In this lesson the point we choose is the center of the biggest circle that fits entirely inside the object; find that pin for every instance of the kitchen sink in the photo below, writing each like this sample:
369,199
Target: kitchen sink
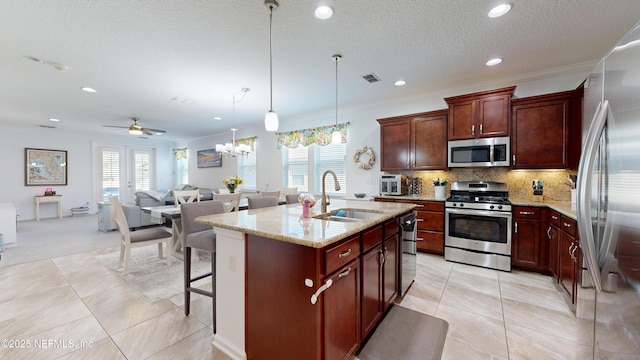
348,215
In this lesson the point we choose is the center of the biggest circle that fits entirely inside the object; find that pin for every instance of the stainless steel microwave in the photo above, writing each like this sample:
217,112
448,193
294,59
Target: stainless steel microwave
479,152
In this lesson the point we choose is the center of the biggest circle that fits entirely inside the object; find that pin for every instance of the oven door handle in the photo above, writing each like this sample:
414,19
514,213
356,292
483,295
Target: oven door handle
500,214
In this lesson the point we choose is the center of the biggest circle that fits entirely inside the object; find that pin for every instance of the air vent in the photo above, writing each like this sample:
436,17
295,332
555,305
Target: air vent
371,78
181,100
47,126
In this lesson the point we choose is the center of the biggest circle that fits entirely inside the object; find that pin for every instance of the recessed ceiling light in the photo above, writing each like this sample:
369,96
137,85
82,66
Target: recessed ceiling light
323,12
217,118
400,83
493,62
88,89
499,10
54,119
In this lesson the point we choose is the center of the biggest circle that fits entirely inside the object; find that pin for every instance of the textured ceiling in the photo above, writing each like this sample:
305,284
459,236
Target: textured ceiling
140,55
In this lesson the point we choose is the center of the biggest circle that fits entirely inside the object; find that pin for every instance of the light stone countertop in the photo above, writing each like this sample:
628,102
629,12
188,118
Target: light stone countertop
409,197
285,222
563,207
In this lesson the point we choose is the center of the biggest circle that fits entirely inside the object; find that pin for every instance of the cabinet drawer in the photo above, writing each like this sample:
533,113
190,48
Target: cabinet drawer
371,238
630,267
390,228
568,225
521,212
554,218
433,221
341,254
430,241
430,205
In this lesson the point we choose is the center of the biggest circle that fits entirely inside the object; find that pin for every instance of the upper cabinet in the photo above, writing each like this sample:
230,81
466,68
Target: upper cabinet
414,142
477,115
546,131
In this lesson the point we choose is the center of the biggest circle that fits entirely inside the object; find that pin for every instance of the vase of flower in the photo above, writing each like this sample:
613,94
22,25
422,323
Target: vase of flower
232,182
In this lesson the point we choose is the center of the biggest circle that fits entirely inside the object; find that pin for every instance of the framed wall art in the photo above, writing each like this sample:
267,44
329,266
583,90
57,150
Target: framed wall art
209,158
45,167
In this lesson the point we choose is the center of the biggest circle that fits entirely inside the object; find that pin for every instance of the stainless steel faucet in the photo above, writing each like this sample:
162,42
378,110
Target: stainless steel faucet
324,194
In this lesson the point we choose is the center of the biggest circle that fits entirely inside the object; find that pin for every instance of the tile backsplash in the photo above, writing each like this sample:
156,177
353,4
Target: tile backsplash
556,182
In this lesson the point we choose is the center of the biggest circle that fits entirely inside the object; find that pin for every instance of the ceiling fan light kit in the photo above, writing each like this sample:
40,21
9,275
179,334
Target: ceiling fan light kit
271,117
137,130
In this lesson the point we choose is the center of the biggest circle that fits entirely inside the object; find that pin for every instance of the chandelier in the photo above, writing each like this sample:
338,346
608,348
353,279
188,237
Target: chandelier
231,149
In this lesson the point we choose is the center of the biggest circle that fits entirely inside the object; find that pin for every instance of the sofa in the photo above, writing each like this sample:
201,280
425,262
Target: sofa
137,218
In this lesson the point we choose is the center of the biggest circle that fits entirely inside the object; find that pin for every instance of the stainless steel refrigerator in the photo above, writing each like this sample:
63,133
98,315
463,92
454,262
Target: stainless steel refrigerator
608,203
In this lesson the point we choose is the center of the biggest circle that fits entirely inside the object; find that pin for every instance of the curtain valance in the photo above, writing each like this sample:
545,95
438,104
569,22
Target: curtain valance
320,136
179,154
251,141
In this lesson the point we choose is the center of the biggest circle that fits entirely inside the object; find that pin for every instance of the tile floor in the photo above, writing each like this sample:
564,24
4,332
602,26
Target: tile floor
66,303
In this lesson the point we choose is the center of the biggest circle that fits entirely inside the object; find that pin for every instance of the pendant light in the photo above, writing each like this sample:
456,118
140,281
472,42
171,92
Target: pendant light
271,118
230,148
336,136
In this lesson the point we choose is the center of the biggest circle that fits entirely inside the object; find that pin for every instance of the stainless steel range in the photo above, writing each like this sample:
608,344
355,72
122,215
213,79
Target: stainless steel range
478,225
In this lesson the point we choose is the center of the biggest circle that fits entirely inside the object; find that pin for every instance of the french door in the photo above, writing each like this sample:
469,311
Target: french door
123,170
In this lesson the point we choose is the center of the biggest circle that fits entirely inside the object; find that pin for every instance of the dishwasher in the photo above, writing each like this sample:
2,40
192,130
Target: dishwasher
408,234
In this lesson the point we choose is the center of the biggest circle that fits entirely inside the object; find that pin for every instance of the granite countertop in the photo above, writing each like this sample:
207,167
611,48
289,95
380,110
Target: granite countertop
409,197
286,223
563,207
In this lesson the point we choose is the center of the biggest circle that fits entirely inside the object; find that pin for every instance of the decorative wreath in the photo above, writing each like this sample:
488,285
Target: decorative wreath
365,165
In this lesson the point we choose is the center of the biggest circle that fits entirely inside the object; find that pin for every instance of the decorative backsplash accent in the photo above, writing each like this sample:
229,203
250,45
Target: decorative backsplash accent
557,186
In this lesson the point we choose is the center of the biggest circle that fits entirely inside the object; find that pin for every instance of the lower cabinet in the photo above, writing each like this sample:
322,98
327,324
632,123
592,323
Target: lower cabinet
342,313
527,250
430,217
293,313
565,255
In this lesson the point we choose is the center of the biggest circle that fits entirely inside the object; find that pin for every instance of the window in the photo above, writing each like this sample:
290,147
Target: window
330,157
110,173
296,168
142,171
247,171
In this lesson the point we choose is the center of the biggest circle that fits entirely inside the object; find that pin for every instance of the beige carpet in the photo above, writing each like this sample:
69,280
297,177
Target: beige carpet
150,276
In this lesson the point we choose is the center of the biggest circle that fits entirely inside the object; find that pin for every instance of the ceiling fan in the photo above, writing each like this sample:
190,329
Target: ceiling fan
136,129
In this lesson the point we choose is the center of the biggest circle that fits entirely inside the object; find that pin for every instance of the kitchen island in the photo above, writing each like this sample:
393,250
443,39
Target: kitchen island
294,287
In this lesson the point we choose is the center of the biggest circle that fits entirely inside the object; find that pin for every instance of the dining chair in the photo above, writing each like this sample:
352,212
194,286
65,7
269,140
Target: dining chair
185,196
290,190
257,202
275,194
142,237
202,237
292,198
182,197
231,201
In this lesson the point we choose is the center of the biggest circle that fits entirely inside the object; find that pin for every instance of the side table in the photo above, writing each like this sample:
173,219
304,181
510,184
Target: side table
41,199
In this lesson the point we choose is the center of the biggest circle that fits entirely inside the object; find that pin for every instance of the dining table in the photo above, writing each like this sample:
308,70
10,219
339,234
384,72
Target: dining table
172,212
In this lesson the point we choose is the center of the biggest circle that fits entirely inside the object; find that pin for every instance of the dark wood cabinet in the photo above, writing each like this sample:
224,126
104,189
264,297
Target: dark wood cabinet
553,237
542,131
528,250
482,114
430,218
342,313
569,259
379,273
414,142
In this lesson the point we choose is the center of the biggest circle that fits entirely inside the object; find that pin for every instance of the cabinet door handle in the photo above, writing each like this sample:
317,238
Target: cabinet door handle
480,129
571,250
325,286
566,224
473,130
526,212
419,239
344,273
513,160
419,220
419,206
549,232
344,254
516,227
554,217
575,258
381,259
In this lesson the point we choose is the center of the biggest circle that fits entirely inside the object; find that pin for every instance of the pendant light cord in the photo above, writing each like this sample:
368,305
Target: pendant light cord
270,60
337,58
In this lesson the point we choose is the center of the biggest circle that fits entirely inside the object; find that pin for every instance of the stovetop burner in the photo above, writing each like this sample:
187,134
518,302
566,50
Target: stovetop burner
479,195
